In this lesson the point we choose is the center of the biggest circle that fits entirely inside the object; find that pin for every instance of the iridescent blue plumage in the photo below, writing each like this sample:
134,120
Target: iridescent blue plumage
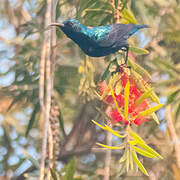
102,40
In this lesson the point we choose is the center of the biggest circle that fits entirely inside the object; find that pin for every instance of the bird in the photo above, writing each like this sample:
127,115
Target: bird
101,40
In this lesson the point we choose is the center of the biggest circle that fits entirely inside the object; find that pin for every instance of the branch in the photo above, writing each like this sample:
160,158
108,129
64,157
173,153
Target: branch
45,108
173,134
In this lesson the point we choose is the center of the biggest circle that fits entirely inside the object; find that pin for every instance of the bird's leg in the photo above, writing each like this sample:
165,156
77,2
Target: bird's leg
126,58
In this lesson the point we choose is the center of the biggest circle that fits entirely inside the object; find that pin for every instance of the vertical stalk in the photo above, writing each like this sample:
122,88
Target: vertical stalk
45,66
173,134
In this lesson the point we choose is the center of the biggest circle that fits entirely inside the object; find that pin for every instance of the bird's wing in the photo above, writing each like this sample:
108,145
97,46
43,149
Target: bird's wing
119,33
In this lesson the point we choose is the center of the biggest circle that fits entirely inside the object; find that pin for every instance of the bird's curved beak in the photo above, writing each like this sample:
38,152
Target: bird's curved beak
57,24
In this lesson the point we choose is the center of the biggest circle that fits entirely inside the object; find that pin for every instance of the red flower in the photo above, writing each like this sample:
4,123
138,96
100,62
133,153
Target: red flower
115,116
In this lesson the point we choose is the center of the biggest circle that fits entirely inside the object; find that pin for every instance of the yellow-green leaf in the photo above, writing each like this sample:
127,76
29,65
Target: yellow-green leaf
139,69
150,110
141,167
123,158
113,132
143,152
111,147
126,100
114,98
128,15
139,50
143,97
150,150
127,159
155,117
131,160
136,137
102,127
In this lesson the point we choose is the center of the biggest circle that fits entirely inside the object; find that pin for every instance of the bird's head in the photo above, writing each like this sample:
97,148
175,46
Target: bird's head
69,25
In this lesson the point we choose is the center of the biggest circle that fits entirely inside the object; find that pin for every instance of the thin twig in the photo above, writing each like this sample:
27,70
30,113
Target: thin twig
173,134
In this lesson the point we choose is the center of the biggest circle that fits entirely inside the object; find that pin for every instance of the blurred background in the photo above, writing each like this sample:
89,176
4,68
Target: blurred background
22,34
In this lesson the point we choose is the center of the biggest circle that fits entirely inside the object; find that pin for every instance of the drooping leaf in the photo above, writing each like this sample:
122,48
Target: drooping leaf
141,167
143,97
111,147
113,132
172,97
32,119
177,111
143,152
61,124
106,72
155,117
102,127
149,149
138,50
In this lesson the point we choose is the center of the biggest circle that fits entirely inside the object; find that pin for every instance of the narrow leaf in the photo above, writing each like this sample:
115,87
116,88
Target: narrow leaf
111,147
114,98
136,137
113,132
127,159
102,127
138,50
155,117
141,167
106,72
32,119
53,174
123,158
143,152
131,160
150,110
143,97
172,97
150,150
126,100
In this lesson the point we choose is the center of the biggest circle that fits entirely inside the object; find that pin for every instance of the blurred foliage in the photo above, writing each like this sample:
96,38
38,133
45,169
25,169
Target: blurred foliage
19,99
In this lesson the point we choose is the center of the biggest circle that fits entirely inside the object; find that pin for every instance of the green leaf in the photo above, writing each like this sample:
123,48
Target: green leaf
141,167
106,72
61,123
114,98
172,97
150,110
143,97
127,159
149,149
102,127
177,111
32,119
123,158
139,69
17,99
70,170
155,117
115,133
138,50
136,137
124,4
111,147
129,16
131,160
53,174
143,152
